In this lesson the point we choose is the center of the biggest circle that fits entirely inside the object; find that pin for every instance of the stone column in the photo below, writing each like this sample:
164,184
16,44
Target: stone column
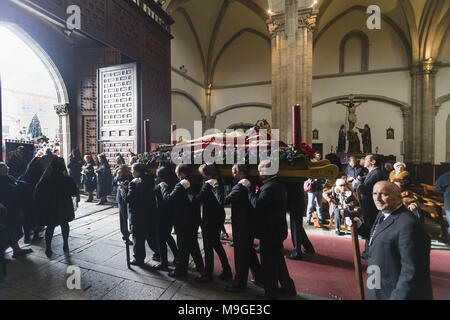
428,112
423,113
291,33
208,120
62,111
407,133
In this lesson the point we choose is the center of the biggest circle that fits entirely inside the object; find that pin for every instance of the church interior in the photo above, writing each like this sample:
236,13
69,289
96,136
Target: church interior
368,77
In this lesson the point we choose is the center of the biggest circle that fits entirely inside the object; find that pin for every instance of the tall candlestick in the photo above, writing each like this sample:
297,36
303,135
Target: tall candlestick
148,135
296,126
173,134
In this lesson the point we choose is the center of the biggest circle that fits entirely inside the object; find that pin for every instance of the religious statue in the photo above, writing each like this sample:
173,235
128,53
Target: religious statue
352,104
354,144
366,139
342,140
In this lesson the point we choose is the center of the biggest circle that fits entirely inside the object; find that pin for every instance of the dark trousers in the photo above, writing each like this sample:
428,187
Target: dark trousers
298,233
139,239
245,257
29,224
123,216
65,229
188,245
2,265
211,243
91,196
165,239
337,218
274,269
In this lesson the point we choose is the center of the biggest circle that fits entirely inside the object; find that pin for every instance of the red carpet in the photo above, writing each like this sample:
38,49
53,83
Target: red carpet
330,272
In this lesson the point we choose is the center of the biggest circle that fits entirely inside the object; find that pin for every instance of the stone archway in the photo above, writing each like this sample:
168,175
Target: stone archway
62,106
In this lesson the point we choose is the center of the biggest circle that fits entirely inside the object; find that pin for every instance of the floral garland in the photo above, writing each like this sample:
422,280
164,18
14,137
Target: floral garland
287,155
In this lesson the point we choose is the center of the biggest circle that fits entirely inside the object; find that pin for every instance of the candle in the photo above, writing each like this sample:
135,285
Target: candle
148,135
173,134
296,126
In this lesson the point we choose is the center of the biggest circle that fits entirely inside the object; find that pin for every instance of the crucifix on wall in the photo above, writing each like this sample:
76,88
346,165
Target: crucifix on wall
351,103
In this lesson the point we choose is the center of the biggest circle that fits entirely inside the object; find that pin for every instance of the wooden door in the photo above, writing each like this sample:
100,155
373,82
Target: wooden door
119,118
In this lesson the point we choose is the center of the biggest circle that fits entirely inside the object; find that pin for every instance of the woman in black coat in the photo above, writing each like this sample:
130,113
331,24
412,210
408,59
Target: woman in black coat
75,165
164,218
54,192
212,197
28,183
10,197
104,179
89,178
121,180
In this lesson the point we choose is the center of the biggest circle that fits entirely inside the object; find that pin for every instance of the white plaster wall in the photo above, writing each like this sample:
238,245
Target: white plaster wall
385,47
395,85
226,97
245,115
184,113
184,49
181,83
328,119
441,132
247,60
443,82
444,54
352,57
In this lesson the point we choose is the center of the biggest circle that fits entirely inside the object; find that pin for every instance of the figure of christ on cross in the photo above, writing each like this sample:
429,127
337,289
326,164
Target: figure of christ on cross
352,104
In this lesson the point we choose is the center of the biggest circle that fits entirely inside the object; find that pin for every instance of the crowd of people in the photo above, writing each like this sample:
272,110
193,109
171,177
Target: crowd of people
152,205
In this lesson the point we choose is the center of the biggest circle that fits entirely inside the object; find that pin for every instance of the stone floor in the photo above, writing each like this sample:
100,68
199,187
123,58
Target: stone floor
97,249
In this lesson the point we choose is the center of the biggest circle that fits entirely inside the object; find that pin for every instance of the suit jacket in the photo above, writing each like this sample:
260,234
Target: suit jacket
241,211
365,190
401,249
141,204
213,203
186,213
270,212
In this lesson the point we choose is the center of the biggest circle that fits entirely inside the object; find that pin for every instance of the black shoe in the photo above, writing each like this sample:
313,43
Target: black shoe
226,275
256,282
90,200
36,238
134,262
235,289
48,253
204,279
27,240
288,292
339,233
161,267
156,258
296,257
101,203
309,251
176,274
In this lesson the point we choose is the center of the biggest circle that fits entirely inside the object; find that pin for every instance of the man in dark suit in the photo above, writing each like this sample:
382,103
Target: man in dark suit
398,249
241,213
354,172
186,221
372,162
296,209
271,229
142,209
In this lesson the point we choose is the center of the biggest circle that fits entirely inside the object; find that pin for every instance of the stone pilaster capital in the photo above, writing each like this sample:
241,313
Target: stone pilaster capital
276,24
62,109
406,111
307,18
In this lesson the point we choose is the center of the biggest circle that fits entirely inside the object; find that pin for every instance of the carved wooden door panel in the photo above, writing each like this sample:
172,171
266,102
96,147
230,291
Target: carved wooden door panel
89,61
119,110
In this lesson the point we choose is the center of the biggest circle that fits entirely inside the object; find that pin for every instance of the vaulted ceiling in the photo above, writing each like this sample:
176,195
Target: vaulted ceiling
420,24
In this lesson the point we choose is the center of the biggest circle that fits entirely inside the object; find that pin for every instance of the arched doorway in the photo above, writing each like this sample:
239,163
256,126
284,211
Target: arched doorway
34,96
